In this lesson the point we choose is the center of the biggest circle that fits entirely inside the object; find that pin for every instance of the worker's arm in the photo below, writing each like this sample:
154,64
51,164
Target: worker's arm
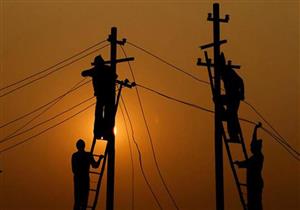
96,164
88,73
73,164
241,164
242,89
254,135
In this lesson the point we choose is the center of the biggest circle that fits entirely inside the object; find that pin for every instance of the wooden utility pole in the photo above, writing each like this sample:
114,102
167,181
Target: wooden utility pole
111,141
218,111
216,89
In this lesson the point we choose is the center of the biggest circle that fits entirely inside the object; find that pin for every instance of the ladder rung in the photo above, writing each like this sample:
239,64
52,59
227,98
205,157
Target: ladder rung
93,172
96,155
233,142
94,190
243,184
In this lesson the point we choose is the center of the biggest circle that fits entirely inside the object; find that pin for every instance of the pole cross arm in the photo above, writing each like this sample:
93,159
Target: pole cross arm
120,42
211,18
121,60
229,64
126,83
213,44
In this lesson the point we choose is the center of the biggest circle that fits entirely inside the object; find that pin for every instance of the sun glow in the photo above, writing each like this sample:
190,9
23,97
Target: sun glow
115,130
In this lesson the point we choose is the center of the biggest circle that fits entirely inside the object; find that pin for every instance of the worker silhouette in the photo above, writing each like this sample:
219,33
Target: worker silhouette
81,161
254,167
103,83
234,93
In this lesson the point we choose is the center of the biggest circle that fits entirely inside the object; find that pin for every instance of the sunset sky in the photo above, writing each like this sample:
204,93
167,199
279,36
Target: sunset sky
263,37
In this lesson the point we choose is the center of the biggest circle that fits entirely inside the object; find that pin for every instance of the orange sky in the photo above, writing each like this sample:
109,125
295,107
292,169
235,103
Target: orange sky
262,37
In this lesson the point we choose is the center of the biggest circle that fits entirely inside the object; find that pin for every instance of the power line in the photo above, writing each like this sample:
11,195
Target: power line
53,66
282,139
276,138
269,124
51,72
44,111
131,158
296,156
150,138
45,130
140,156
39,108
175,99
279,137
45,121
168,63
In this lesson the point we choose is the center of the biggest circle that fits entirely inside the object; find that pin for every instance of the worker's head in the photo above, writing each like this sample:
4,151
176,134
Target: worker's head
256,146
80,145
98,60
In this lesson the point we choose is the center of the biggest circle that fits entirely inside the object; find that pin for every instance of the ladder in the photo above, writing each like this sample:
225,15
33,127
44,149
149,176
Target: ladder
228,143
95,190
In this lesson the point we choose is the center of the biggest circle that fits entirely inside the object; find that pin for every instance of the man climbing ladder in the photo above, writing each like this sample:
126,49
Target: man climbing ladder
81,161
254,167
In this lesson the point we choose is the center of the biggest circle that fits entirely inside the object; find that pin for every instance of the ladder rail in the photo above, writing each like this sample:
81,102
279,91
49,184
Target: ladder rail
100,180
234,172
233,169
101,173
243,144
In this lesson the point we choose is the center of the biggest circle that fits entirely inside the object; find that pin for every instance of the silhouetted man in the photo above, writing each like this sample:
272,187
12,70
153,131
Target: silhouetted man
103,83
254,167
234,89
81,161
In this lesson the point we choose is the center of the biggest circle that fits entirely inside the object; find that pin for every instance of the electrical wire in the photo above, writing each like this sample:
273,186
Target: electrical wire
45,105
269,124
150,138
167,63
45,130
44,111
276,138
131,158
140,156
45,121
282,139
51,72
51,67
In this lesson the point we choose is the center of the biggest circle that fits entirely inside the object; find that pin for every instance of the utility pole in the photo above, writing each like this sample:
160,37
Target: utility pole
111,141
218,111
216,89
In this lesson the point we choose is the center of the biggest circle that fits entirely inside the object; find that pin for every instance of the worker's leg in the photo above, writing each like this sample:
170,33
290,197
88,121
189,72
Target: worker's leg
109,115
251,200
99,119
85,196
231,122
76,195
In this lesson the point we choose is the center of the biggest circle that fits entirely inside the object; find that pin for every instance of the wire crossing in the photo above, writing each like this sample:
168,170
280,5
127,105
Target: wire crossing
150,138
140,156
45,121
45,130
51,67
131,158
51,72
45,105
44,111
282,139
